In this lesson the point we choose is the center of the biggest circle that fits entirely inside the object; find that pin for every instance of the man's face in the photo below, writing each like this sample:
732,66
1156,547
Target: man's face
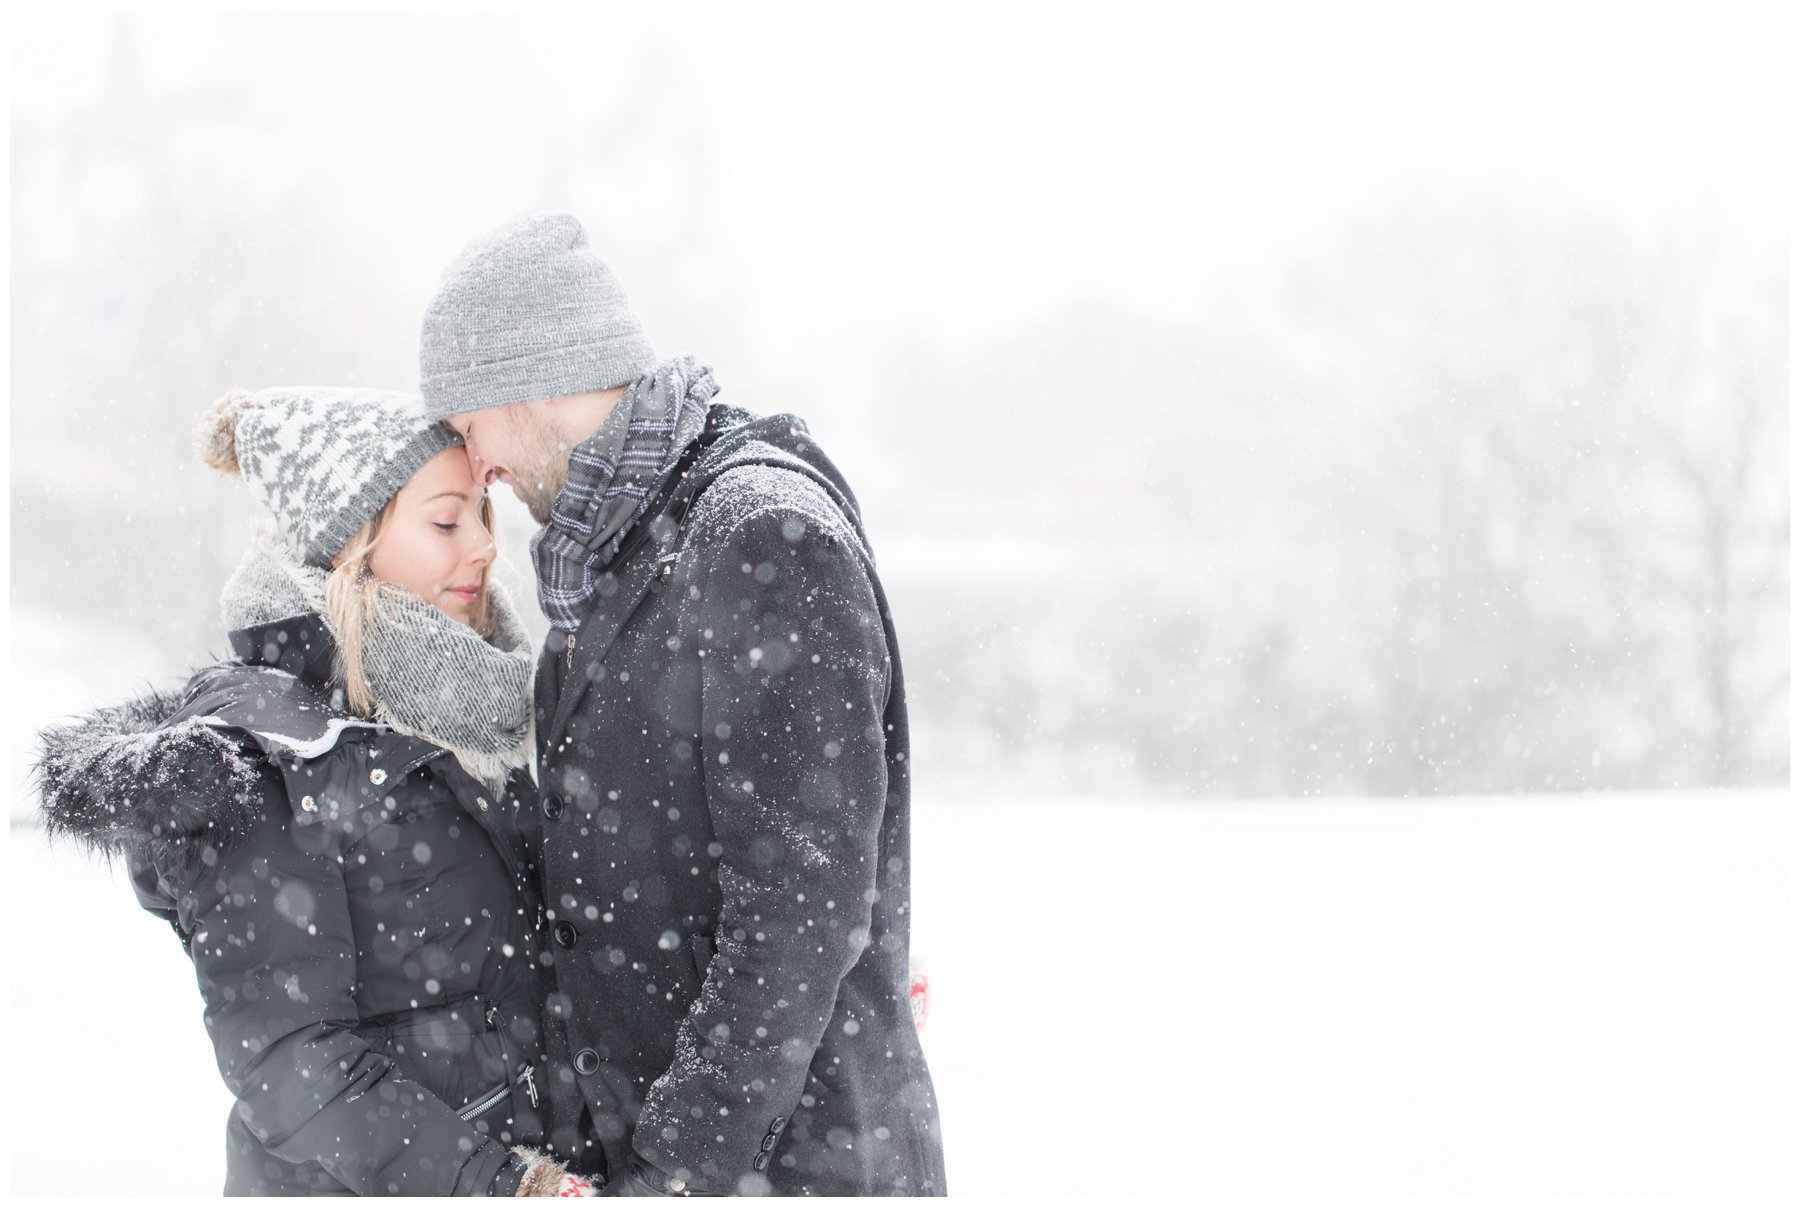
518,445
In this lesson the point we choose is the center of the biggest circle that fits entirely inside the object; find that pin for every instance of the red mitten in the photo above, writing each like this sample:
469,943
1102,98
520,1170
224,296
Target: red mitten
920,994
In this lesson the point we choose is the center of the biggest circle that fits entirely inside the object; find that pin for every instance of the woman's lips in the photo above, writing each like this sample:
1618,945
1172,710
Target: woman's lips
466,594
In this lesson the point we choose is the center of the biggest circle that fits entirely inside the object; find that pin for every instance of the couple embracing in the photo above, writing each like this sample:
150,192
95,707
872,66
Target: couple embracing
675,960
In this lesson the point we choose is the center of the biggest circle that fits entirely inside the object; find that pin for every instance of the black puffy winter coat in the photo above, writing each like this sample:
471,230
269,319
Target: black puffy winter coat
361,915
726,844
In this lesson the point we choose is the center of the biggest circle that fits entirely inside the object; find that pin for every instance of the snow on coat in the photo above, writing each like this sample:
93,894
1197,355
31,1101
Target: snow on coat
726,846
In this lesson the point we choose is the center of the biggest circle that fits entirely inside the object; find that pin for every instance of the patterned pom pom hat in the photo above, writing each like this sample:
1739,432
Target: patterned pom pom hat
323,459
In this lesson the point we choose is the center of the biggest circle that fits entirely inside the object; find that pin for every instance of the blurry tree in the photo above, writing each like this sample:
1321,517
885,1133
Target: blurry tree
1497,504
1570,515
1711,452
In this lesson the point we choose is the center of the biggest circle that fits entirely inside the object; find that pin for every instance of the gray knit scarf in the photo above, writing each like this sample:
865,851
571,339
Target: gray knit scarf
605,496
431,676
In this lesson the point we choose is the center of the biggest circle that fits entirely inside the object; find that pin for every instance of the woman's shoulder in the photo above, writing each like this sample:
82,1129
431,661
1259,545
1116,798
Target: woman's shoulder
196,760
287,715
150,767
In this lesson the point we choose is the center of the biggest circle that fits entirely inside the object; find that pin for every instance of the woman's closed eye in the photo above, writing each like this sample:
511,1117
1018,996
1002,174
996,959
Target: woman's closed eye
442,526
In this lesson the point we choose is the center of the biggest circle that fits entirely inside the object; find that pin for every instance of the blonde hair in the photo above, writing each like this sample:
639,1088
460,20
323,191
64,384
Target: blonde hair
353,594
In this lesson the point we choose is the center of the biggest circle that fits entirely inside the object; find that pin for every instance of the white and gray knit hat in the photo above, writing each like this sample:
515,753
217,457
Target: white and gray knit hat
324,460
527,311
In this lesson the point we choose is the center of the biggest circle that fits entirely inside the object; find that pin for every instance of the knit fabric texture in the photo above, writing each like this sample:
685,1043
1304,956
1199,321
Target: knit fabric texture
605,495
325,460
527,311
432,677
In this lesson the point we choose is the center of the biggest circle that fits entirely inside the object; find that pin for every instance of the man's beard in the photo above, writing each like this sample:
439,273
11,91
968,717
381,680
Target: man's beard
543,470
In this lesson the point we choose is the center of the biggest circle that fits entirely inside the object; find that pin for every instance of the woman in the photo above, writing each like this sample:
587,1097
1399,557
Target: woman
334,821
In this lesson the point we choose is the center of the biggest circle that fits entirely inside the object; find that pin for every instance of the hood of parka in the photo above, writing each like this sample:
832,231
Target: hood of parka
172,765
141,770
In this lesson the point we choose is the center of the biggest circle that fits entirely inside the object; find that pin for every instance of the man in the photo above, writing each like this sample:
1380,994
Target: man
722,749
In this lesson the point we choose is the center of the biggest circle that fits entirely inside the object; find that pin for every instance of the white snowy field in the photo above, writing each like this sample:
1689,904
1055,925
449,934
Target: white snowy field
1543,995
1560,995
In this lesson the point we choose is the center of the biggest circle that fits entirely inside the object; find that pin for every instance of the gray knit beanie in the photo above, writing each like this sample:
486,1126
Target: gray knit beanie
323,460
527,311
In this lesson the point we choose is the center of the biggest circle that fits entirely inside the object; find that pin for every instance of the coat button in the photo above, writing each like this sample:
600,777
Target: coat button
779,1122
552,806
565,934
768,1142
587,1062
378,777
481,802
309,804
761,1163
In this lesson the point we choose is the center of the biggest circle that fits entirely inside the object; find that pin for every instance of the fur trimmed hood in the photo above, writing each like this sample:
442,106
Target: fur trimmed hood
138,771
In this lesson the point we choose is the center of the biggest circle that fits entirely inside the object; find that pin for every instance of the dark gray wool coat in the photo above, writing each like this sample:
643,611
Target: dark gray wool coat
725,851
359,912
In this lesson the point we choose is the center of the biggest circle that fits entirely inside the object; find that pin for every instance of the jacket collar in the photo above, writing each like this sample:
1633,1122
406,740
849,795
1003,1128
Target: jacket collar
300,645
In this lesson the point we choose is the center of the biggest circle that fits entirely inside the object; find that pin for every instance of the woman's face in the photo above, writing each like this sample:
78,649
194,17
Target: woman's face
433,542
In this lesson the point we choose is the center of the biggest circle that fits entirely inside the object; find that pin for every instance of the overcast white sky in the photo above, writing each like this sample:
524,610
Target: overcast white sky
959,171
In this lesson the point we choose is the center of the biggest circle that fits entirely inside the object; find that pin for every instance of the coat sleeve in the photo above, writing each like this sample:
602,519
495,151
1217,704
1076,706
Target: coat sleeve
275,956
794,683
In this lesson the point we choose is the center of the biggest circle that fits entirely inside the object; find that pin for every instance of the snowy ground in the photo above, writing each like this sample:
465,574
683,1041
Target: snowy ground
1580,995
1519,997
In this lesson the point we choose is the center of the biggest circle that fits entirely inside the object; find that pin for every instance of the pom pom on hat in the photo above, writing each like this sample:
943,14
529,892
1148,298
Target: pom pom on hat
215,436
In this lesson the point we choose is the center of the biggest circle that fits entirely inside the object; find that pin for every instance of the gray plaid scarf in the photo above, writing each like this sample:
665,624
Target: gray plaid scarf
605,495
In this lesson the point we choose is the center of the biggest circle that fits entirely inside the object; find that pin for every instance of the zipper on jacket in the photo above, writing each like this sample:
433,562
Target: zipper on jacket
526,1075
484,1102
